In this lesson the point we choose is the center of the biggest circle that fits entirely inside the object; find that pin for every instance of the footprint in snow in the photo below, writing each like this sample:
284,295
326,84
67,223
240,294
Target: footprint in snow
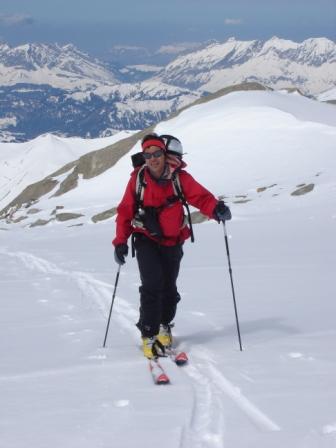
66,317
298,355
121,403
197,313
99,357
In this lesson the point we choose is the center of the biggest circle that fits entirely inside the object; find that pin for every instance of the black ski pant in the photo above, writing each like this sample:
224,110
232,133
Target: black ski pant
159,268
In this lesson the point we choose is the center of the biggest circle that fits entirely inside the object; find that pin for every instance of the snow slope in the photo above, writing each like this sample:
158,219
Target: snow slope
329,95
247,140
22,164
62,389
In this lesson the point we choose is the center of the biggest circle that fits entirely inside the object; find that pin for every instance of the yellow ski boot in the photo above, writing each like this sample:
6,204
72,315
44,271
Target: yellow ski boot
152,347
148,347
165,335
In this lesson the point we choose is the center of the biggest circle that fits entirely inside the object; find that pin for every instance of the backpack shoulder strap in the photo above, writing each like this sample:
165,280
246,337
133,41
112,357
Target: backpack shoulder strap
139,195
177,187
178,190
140,185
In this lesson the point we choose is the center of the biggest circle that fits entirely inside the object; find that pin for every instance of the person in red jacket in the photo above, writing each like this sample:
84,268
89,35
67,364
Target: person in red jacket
158,228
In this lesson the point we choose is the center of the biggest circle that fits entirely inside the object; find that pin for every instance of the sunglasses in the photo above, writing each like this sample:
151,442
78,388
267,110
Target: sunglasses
149,155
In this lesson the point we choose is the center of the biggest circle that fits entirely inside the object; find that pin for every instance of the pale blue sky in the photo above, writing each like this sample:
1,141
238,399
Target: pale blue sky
97,25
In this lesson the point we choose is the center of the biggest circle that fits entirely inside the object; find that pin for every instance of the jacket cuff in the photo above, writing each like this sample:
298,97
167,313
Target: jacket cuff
118,241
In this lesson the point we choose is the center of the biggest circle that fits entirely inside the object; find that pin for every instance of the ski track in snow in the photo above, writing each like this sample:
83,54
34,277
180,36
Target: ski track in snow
89,286
206,426
258,418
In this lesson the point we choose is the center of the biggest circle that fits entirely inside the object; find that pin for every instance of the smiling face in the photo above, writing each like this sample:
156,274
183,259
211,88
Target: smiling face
156,162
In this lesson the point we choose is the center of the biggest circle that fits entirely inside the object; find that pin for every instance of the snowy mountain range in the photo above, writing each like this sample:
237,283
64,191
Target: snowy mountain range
62,67
272,155
277,63
32,109
59,89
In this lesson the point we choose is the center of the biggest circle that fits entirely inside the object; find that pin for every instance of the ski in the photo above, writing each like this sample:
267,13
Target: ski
179,358
158,373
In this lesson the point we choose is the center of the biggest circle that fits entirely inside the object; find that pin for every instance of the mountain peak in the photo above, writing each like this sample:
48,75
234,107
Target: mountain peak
70,47
321,44
59,66
277,62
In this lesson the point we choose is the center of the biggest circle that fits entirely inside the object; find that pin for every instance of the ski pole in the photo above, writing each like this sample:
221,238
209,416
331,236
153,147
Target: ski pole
233,292
113,297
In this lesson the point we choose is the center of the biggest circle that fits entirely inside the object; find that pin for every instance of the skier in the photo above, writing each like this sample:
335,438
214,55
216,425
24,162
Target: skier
151,210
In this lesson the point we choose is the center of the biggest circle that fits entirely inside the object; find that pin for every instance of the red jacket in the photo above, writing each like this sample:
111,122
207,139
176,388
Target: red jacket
170,217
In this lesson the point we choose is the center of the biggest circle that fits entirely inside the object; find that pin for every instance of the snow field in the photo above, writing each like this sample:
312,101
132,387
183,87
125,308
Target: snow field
278,390
62,389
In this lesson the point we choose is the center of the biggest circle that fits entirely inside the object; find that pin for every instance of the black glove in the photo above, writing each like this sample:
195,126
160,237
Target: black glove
222,212
120,252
